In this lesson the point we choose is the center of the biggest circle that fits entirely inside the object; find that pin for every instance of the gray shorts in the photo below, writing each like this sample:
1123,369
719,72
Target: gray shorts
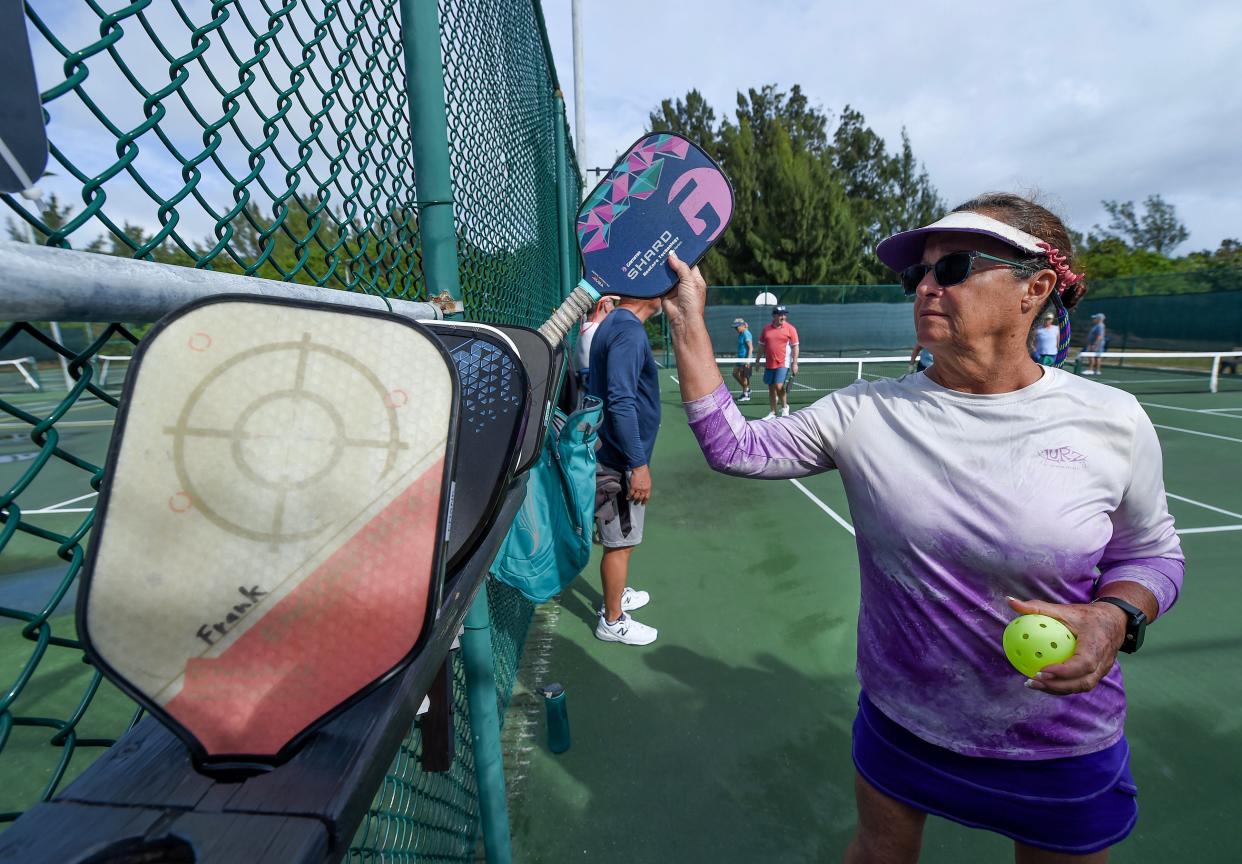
618,520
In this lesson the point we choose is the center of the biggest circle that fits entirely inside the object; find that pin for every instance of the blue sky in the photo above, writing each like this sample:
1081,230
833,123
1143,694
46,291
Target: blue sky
1077,102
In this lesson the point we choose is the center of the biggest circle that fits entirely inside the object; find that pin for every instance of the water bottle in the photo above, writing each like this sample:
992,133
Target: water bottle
558,718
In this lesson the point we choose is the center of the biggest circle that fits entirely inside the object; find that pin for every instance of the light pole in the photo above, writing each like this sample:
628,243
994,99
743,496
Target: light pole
579,93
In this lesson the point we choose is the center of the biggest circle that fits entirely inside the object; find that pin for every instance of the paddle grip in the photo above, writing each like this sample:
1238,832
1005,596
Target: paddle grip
577,304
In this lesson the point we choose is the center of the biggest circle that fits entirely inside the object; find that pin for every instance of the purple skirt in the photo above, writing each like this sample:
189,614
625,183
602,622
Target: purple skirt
1077,805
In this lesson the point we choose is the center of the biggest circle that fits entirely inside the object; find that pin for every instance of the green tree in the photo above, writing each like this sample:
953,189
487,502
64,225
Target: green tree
302,242
1158,229
691,118
886,193
1109,257
791,221
812,199
54,216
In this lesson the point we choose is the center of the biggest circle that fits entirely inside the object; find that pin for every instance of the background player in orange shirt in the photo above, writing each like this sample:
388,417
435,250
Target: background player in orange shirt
779,343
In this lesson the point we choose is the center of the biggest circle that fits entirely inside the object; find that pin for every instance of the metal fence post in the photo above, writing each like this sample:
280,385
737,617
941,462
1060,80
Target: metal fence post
420,36
476,654
424,87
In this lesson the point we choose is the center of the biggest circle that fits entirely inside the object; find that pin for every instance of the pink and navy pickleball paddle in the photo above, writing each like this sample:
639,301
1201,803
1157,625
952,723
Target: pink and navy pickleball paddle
663,195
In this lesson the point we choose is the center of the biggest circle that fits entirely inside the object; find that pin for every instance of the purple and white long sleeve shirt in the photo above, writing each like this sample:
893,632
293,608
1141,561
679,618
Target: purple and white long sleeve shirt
958,500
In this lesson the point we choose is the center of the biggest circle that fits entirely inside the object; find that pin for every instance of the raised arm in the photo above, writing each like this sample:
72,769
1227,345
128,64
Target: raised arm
782,447
697,371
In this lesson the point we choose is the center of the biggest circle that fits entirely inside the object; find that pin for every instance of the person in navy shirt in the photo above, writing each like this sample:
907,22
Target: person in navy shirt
624,376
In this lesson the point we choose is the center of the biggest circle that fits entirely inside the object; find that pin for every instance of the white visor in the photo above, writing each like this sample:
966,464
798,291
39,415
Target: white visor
905,248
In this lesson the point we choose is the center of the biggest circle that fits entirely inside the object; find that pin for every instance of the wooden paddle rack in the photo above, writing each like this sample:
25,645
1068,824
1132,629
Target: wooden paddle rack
143,800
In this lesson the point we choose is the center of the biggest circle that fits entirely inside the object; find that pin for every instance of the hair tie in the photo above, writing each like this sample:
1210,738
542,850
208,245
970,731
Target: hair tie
1065,276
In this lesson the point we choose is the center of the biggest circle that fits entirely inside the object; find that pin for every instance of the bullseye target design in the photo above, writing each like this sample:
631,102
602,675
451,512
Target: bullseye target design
257,440
269,537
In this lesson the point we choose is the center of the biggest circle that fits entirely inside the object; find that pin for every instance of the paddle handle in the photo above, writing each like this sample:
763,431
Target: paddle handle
579,302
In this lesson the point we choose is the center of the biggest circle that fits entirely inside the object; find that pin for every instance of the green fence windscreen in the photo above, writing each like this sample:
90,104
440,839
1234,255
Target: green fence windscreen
1195,311
267,140
1200,310
827,330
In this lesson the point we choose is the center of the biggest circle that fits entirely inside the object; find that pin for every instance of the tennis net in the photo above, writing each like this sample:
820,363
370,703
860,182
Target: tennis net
1144,372
818,376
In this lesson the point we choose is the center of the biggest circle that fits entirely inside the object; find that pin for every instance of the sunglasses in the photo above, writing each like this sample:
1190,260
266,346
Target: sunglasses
952,269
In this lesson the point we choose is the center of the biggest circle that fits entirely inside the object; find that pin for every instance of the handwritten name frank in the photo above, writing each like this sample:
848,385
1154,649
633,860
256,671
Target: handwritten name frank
210,632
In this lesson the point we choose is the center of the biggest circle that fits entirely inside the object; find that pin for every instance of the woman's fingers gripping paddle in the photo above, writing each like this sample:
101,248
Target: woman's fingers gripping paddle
689,295
697,372
1099,630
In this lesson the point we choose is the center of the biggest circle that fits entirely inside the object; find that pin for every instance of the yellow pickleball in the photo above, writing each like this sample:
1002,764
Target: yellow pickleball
1035,641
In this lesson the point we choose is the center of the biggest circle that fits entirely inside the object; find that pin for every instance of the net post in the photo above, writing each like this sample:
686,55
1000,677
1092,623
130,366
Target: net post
429,135
1214,382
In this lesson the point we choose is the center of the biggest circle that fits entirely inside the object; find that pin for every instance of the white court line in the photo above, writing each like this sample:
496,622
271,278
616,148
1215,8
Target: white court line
56,508
72,501
61,424
675,381
1204,506
1193,432
822,506
50,512
43,407
1213,411
1122,383
1214,530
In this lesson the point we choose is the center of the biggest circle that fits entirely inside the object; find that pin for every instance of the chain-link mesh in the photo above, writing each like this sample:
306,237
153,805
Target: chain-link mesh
418,815
270,140
503,151
246,137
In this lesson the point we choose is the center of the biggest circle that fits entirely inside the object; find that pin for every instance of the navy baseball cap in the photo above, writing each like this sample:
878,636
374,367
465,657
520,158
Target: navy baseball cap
780,310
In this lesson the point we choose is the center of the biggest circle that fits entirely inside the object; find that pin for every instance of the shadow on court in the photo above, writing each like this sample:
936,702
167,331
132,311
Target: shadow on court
682,757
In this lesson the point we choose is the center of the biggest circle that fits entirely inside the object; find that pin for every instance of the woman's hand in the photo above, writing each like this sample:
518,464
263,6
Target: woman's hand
687,299
1100,629
697,372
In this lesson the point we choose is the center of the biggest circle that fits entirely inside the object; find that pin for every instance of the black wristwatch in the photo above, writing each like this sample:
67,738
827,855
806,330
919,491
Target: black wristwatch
1136,623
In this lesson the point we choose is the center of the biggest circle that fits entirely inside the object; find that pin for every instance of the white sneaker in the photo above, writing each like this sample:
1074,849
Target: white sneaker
785,411
625,630
745,397
771,415
631,600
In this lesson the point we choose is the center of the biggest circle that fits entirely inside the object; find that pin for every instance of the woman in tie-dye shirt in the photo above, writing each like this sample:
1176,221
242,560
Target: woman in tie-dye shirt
1033,484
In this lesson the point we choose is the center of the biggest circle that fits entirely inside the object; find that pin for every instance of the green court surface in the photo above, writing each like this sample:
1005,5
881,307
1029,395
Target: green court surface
58,500
728,739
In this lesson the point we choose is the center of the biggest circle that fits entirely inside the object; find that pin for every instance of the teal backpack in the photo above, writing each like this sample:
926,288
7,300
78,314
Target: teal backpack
550,540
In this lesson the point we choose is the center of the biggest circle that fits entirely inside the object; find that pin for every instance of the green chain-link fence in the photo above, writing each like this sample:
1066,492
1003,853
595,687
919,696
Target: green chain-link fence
262,139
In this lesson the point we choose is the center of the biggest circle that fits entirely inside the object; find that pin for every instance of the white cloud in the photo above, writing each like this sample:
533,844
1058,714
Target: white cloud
1082,102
